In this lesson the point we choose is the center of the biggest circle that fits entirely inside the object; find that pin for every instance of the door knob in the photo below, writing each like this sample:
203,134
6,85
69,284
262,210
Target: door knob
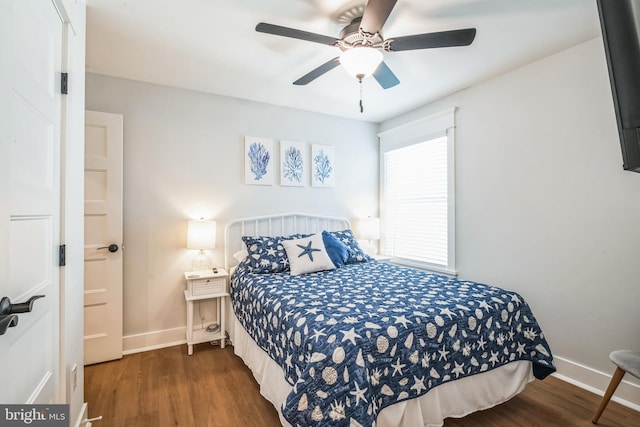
112,248
6,308
7,322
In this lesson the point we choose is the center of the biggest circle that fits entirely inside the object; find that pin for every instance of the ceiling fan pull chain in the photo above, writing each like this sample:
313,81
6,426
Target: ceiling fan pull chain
361,106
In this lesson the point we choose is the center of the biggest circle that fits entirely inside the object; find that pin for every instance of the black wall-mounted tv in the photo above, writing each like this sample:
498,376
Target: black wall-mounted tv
620,23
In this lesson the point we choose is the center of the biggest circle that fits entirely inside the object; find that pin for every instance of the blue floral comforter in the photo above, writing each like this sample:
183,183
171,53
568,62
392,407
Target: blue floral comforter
362,337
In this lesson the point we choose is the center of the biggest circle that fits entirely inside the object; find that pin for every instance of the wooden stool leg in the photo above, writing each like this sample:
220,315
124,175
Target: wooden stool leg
615,381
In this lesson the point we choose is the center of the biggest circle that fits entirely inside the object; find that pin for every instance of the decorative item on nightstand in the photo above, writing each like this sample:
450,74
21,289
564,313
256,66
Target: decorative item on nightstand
369,230
201,235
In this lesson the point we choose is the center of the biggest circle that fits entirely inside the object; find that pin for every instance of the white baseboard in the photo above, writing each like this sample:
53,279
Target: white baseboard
627,393
153,340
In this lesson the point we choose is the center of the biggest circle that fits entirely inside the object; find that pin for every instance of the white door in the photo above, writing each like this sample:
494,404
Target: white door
102,237
31,52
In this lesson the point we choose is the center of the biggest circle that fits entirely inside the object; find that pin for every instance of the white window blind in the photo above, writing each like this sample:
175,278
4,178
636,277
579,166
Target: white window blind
416,202
417,182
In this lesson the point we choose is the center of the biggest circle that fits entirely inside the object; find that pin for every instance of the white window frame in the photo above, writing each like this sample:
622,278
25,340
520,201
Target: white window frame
417,131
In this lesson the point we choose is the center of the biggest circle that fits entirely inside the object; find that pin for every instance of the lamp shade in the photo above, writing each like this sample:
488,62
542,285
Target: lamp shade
361,61
201,235
369,228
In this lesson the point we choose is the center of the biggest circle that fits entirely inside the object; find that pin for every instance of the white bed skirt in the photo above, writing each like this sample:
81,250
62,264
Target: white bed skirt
453,399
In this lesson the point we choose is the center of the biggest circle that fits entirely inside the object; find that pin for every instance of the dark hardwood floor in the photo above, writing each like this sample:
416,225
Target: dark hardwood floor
213,387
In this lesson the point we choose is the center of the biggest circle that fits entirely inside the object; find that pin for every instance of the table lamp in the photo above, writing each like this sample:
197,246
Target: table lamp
201,235
368,231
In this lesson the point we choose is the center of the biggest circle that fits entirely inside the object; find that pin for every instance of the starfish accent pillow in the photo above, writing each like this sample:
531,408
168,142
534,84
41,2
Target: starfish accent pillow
307,255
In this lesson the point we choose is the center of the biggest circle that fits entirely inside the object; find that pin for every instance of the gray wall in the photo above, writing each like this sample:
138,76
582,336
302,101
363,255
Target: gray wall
183,158
543,204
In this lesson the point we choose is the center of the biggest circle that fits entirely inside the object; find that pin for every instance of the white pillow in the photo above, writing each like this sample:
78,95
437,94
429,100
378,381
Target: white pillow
241,255
307,255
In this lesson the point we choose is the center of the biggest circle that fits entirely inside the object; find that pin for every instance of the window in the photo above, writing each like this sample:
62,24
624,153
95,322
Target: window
417,194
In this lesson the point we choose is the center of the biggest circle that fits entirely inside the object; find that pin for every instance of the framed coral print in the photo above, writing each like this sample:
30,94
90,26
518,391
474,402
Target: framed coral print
323,169
258,161
293,163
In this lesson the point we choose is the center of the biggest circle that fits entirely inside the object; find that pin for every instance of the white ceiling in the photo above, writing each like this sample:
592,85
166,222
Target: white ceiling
212,46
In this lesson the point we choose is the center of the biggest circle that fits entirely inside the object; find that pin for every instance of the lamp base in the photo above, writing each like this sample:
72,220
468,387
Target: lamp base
201,262
369,247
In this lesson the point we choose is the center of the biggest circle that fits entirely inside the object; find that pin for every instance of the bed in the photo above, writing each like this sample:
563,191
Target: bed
369,343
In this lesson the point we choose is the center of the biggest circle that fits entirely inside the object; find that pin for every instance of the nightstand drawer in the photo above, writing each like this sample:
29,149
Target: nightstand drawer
207,286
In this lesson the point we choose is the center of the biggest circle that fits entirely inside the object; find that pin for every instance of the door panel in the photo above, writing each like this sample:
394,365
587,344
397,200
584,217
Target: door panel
102,227
30,255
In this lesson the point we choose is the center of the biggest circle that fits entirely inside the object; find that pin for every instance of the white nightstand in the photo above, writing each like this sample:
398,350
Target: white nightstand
202,286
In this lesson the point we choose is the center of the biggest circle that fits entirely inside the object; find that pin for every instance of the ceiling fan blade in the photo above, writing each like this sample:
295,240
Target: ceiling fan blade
432,40
314,74
295,34
385,76
375,15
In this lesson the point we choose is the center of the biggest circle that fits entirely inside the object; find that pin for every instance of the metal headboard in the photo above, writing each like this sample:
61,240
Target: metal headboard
275,225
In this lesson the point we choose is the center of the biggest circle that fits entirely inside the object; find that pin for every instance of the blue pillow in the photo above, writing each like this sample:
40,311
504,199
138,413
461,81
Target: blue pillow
266,253
356,254
338,251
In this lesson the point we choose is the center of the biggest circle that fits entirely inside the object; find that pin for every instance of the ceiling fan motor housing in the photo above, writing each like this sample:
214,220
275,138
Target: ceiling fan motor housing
351,36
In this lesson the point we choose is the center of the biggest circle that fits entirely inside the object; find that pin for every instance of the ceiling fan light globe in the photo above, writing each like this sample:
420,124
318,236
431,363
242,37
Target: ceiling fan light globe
361,61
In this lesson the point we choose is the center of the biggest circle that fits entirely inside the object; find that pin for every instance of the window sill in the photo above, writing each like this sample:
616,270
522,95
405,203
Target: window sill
424,266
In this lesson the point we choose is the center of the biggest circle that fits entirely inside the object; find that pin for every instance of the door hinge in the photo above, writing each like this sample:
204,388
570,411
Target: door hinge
62,255
64,83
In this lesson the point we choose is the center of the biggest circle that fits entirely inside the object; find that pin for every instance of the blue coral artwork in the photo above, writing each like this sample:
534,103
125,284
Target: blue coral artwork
293,163
258,161
323,167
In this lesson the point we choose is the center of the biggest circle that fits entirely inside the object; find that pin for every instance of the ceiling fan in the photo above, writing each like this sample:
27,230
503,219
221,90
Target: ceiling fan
362,44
